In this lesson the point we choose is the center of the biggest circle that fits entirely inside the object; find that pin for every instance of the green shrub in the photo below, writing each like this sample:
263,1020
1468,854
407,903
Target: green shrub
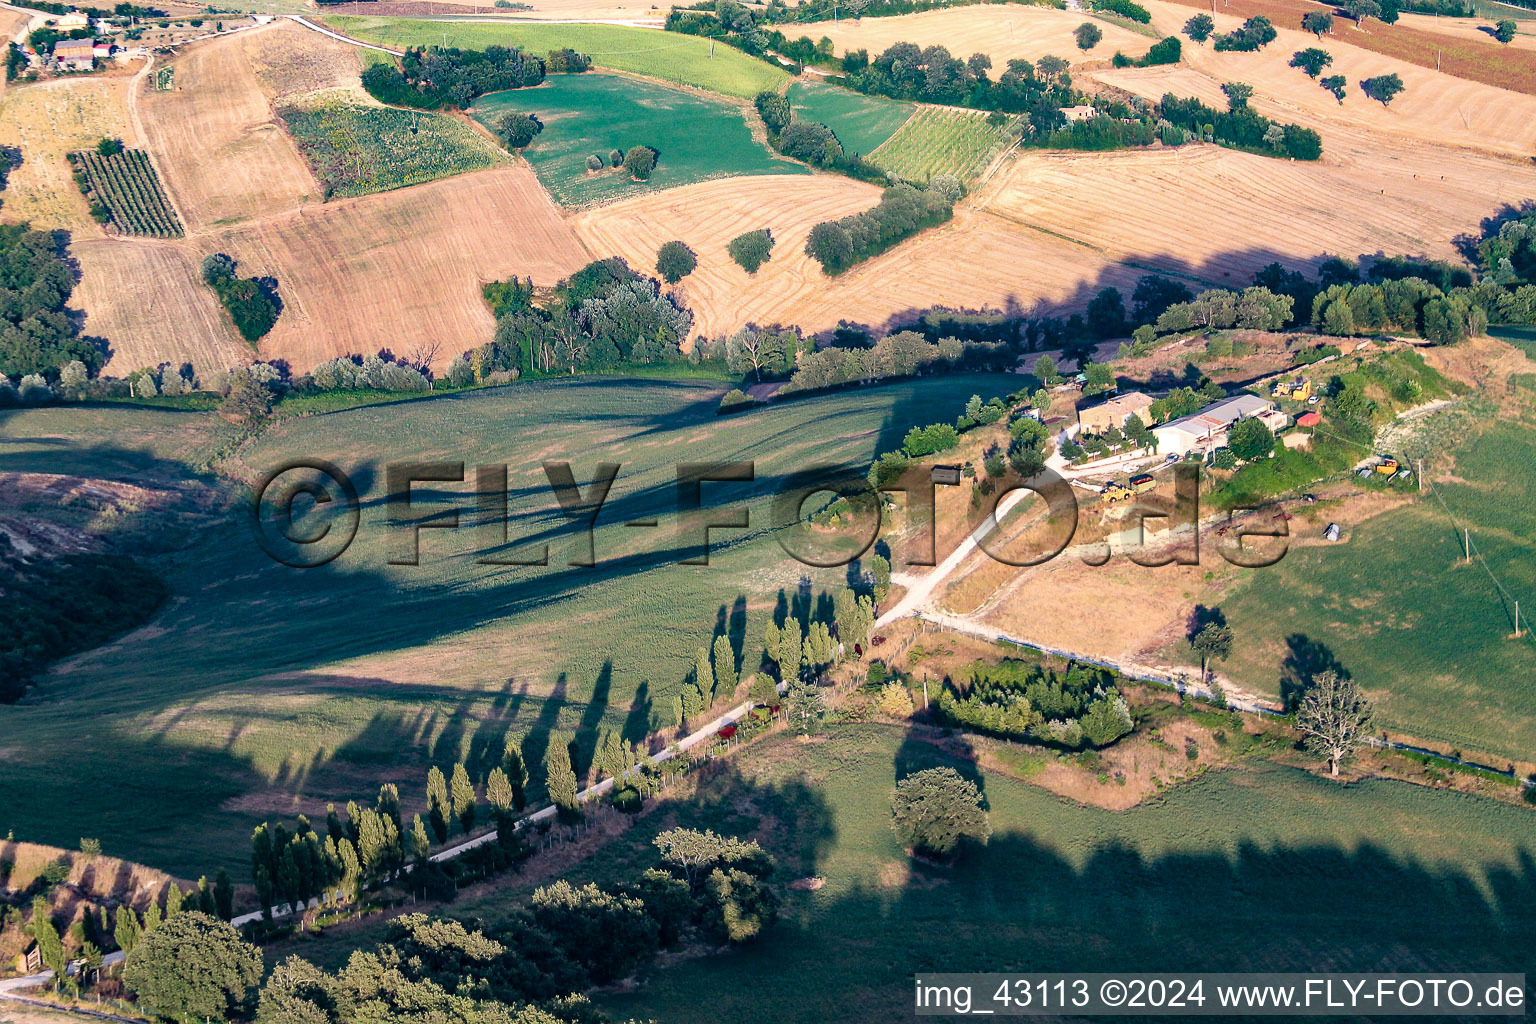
751,249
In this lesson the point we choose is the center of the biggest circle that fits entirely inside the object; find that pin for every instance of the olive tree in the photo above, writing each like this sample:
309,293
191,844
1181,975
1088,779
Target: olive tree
675,261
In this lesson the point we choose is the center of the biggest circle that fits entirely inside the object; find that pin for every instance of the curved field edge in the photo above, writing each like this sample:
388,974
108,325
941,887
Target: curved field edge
671,57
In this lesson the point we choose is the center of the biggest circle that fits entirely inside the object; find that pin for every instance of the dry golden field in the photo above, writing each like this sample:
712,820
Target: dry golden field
146,298
1471,30
45,122
1433,107
978,259
1003,32
402,269
224,156
289,60
1220,214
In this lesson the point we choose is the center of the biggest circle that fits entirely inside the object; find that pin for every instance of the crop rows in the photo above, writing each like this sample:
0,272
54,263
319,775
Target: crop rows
126,184
356,150
940,141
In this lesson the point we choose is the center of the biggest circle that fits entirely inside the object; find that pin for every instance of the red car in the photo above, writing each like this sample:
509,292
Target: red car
727,732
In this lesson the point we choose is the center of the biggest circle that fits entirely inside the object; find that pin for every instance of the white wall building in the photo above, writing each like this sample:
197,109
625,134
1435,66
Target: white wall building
1208,428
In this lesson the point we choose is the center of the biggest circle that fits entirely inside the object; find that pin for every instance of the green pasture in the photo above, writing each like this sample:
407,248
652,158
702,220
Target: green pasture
1424,631
862,123
937,140
672,57
1253,869
698,137
265,690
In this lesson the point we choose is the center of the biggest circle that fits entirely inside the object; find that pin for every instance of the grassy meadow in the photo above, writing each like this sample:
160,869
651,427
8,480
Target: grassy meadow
264,690
698,137
1255,868
862,123
671,57
938,140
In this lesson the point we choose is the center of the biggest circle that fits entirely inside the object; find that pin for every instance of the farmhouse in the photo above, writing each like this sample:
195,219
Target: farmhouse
71,21
1208,428
1113,413
1082,112
75,54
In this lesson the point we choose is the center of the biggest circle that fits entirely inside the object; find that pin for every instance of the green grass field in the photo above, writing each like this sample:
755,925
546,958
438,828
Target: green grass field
356,150
668,56
1257,868
941,141
263,690
1424,631
862,123
699,137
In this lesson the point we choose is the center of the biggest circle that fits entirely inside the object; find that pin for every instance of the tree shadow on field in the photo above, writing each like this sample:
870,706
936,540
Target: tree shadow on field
1304,659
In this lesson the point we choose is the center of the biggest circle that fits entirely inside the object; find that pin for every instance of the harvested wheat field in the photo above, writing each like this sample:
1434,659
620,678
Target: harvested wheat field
721,294
1475,30
146,298
289,60
1506,68
1003,32
976,260
223,155
402,270
45,122
1433,107
1219,214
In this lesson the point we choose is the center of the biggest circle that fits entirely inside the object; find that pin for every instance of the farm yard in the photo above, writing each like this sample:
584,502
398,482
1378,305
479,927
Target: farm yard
274,712
356,150
1281,854
938,140
1004,32
862,123
698,137
47,122
683,60
126,184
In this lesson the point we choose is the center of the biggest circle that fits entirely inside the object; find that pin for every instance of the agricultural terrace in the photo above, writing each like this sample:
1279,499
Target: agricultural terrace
1002,31
47,122
684,60
939,140
125,183
698,137
356,150
1277,853
387,666
862,123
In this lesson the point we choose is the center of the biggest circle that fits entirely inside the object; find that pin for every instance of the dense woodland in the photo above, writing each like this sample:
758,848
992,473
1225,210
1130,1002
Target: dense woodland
431,78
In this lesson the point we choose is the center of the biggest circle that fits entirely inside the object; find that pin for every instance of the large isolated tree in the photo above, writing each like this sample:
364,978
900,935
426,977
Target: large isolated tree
934,809
1238,94
1334,716
1383,87
1212,640
194,968
1088,35
1319,23
675,261
1200,27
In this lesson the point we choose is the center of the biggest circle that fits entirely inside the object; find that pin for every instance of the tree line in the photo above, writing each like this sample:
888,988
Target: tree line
431,78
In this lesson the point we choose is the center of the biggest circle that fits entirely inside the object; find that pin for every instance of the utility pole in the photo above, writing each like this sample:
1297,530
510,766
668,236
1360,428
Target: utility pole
1421,476
1518,633
1467,543
925,677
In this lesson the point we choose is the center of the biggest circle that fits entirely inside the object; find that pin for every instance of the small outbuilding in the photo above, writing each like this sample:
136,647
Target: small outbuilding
1332,533
1309,419
949,475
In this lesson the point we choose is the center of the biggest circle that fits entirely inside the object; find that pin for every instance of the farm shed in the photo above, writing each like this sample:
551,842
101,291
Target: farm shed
75,54
1115,413
1309,419
946,475
1332,533
1208,428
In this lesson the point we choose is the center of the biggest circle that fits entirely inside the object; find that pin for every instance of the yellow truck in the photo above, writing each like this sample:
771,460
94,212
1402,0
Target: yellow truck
1387,466
1114,492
